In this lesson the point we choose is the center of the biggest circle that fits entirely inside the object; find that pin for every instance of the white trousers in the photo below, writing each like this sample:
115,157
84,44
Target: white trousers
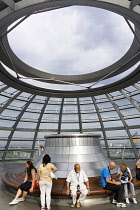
45,190
83,193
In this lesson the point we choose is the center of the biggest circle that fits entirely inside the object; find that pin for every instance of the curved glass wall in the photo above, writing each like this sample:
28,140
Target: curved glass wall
25,119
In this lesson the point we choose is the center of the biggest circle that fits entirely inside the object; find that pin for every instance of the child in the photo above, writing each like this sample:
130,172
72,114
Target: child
126,178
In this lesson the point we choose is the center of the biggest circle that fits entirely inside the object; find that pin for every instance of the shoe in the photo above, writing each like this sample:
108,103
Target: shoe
42,208
15,201
78,204
123,205
127,200
114,201
134,200
20,199
72,205
48,208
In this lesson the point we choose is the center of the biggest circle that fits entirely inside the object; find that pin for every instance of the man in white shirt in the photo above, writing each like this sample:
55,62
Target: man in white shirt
77,181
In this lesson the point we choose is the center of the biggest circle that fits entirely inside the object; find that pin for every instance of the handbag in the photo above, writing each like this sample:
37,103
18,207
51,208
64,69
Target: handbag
36,185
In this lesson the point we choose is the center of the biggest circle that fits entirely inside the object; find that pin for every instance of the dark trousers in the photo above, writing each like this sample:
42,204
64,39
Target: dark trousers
119,191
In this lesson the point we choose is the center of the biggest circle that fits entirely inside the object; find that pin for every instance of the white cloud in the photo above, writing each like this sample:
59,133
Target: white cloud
72,40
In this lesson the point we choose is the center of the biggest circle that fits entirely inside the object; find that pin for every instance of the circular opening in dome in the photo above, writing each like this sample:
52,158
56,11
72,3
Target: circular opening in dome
72,40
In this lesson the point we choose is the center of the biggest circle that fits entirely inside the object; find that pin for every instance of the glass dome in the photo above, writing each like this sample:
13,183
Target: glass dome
26,118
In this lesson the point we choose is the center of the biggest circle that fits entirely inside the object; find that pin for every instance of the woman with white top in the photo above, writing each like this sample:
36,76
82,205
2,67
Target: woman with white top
45,181
126,178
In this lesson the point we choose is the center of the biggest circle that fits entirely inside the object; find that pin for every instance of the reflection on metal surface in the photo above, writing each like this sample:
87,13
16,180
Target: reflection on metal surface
66,150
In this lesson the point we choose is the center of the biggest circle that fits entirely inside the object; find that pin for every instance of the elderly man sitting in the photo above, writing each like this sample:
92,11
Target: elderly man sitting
77,181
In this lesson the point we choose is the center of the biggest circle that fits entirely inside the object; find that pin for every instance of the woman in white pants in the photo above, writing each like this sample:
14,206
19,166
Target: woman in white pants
45,181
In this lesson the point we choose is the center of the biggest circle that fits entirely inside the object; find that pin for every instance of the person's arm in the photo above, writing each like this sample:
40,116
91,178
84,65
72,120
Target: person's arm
54,169
26,177
67,188
113,182
130,174
33,179
38,175
87,185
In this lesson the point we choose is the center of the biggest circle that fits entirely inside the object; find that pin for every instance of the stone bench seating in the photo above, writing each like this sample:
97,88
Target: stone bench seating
14,178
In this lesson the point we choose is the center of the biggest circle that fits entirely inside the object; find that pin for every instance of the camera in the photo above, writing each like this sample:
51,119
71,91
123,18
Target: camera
78,187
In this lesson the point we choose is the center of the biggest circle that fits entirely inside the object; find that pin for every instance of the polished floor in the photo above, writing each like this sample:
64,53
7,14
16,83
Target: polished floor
5,197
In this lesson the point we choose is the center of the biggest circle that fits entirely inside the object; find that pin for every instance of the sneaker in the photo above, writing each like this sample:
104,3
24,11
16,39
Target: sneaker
42,208
134,200
20,199
123,205
78,204
127,200
72,205
15,201
114,201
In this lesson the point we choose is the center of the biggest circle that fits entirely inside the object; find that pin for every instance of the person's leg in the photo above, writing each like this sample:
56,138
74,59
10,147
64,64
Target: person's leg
73,194
125,190
119,191
48,188
83,194
18,194
42,193
24,194
132,190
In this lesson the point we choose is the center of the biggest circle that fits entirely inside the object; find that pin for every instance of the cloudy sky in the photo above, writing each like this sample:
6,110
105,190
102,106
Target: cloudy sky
72,40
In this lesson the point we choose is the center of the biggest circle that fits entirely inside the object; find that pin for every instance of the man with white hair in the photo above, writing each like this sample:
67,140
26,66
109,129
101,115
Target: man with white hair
113,185
77,181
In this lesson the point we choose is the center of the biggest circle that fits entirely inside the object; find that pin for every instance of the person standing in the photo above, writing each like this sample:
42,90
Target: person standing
45,181
109,184
77,181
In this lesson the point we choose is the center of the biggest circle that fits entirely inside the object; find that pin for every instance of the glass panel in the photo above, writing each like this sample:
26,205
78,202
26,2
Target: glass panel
103,106
69,126
123,102
18,104
10,113
29,125
135,121
48,126
87,108
113,124
6,123
136,98
70,109
90,116
70,117
109,115
117,153
29,115
23,135
70,101
35,106
3,99
130,112
91,125
116,133
50,117
52,108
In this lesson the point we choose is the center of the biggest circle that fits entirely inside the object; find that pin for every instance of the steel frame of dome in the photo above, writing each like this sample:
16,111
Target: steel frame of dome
130,10
105,105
